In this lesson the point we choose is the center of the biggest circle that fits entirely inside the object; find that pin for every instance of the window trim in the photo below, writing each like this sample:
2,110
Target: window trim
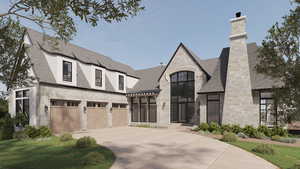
63,77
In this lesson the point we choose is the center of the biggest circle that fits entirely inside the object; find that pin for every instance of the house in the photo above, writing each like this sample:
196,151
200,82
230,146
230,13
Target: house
77,89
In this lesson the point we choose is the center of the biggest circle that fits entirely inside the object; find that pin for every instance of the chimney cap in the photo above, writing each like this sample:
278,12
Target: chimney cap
238,14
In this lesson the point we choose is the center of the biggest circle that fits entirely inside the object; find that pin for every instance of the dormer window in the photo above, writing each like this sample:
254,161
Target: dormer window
121,82
98,78
67,71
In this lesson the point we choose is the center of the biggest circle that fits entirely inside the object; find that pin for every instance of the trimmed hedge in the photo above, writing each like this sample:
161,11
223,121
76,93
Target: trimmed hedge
229,137
250,131
264,149
34,132
85,142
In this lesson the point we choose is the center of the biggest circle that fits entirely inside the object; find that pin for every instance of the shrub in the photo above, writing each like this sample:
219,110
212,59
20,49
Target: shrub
85,142
44,131
279,131
296,166
20,135
213,126
226,128
249,131
21,119
203,126
264,149
216,132
93,158
6,128
32,132
229,137
275,138
259,135
242,135
264,129
236,129
284,140
66,137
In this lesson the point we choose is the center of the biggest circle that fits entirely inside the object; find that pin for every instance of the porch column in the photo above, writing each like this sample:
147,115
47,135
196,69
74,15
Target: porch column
139,109
147,109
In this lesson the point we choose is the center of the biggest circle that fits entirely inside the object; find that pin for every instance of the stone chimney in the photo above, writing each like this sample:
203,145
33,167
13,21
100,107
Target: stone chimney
238,101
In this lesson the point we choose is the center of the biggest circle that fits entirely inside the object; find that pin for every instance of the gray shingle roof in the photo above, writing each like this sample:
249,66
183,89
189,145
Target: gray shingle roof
218,80
79,53
148,80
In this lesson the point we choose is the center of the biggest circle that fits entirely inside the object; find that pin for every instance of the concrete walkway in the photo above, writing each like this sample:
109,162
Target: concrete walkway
145,148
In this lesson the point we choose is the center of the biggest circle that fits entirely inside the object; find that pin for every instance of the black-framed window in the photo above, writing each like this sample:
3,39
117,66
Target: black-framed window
213,108
182,96
267,109
96,104
98,77
22,104
67,71
134,109
152,109
121,82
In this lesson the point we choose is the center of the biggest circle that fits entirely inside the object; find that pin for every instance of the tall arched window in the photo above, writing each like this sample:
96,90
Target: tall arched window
182,96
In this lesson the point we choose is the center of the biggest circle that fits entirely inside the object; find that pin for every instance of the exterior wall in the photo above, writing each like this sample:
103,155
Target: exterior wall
239,106
181,62
131,81
65,93
33,101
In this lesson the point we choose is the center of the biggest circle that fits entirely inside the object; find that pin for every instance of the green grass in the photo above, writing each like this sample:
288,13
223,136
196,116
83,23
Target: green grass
48,154
285,157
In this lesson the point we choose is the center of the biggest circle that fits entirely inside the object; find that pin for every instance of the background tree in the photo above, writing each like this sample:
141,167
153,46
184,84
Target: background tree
280,59
56,17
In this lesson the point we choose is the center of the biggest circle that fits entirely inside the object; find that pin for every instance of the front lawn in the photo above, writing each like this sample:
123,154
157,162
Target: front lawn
49,154
285,157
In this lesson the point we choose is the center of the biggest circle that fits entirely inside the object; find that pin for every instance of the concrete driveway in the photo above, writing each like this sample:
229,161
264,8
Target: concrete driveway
146,148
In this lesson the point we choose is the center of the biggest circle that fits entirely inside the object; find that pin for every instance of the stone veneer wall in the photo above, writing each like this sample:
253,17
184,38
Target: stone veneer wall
54,92
181,62
240,104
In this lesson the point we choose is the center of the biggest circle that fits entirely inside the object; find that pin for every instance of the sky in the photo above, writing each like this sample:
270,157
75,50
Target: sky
152,37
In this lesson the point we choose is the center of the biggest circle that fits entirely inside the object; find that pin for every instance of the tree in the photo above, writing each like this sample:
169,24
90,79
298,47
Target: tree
56,16
280,58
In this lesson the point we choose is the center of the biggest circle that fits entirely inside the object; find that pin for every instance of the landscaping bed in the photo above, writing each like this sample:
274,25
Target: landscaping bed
53,152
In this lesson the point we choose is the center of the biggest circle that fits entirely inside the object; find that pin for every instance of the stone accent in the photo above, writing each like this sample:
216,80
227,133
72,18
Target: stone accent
180,62
239,105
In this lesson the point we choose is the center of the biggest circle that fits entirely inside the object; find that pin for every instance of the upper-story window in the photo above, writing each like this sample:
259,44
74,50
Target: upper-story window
121,82
98,78
67,71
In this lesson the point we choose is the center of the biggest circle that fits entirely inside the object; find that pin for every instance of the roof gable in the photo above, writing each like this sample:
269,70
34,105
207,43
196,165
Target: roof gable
192,55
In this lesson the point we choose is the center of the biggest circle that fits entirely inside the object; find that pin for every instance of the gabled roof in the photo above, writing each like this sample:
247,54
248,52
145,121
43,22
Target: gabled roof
193,56
148,80
78,53
217,82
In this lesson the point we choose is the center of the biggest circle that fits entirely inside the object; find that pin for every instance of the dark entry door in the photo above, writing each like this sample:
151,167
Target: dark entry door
213,108
182,97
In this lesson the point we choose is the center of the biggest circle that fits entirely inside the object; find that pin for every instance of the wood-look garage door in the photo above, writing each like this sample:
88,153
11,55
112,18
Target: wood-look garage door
64,118
96,117
119,115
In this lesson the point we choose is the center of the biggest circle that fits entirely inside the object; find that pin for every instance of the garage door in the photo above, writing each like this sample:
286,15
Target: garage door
64,116
96,115
119,115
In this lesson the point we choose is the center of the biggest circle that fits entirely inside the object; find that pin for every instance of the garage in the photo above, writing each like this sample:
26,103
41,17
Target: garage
119,115
97,116
64,116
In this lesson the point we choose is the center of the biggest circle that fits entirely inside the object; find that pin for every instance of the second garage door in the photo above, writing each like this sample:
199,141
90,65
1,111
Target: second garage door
97,116
119,115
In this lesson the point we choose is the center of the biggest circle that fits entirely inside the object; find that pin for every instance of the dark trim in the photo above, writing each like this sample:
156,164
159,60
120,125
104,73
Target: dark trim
89,63
81,88
181,44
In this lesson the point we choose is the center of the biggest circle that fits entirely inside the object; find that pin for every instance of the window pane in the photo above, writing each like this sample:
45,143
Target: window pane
26,106
134,116
25,93
143,100
19,94
182,76
98,78
213,111
123,106
174,77
115,105
121,82
190,75
143,112
152,113
19,106
266,95
67,71
152,100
